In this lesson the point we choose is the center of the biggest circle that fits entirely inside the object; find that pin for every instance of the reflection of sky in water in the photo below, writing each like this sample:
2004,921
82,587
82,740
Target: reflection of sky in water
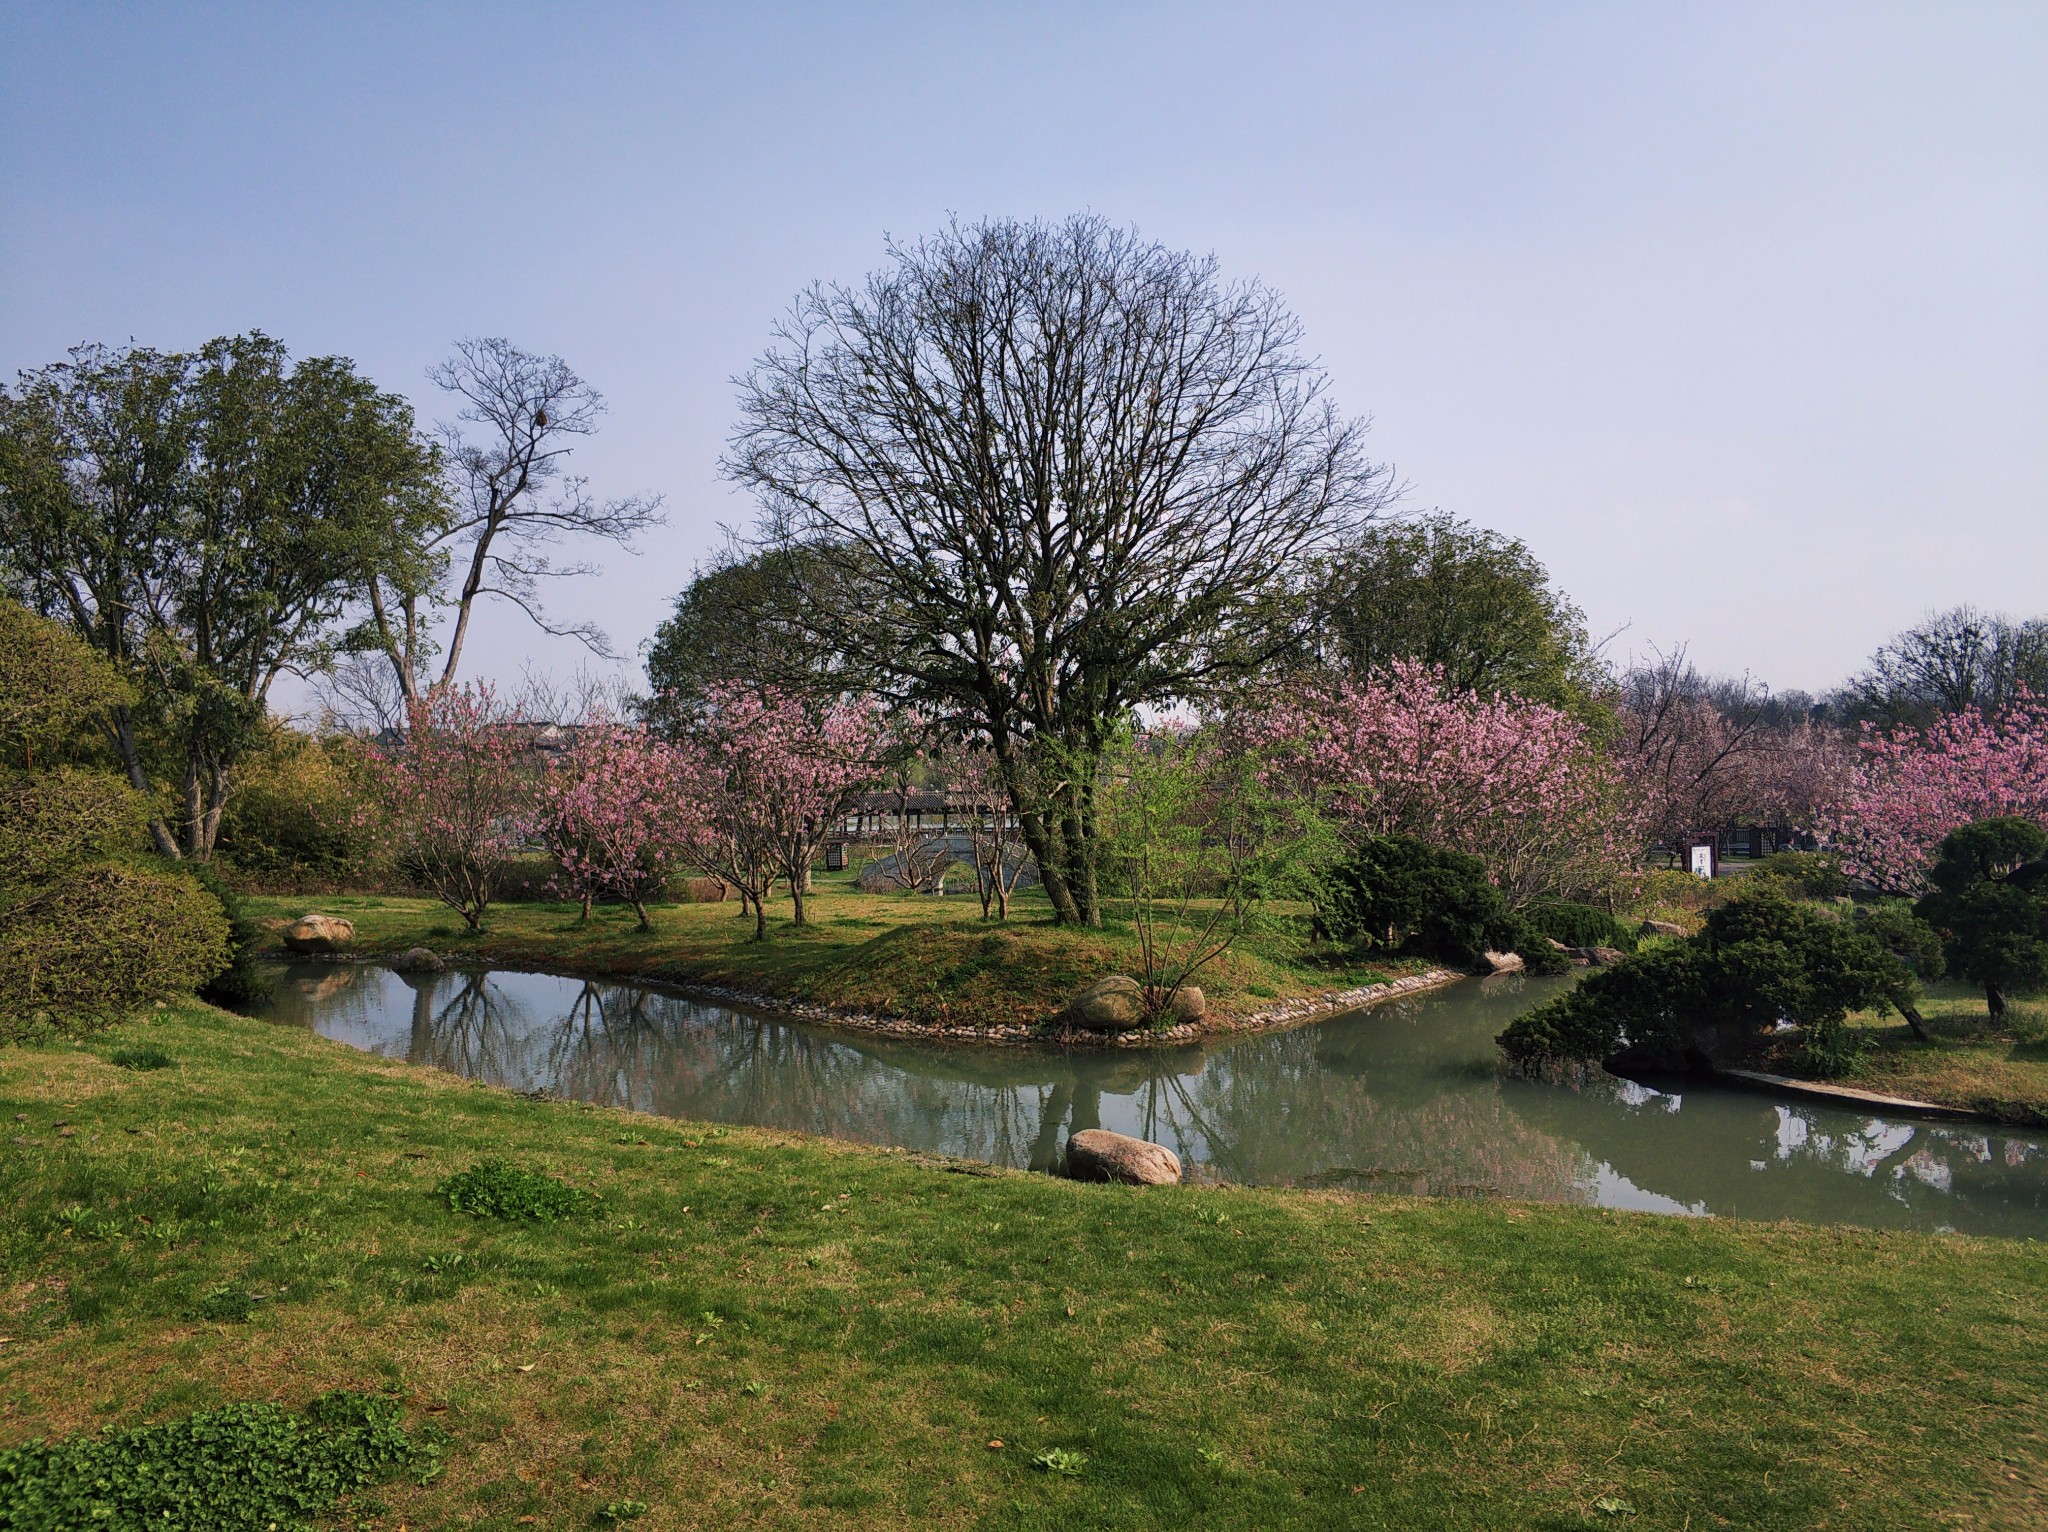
1402,1098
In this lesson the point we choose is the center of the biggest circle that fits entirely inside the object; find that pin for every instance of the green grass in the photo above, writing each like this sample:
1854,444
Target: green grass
929,960
1999,1071
757,1330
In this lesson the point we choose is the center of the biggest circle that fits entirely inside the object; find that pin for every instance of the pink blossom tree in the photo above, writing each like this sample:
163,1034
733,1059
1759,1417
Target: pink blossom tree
612,813
455,796
768,781
1912,786
1519,784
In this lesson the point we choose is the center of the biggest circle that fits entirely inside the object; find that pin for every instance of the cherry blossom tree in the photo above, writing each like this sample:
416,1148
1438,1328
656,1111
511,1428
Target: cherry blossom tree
768,780
1517,783
455,796
1913,786
612,813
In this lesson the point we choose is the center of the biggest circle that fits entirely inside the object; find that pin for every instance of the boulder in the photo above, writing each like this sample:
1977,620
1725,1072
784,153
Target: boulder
1598,957
1500,962
418,960
1188,1004
318,933
1660,928
1114,1004
1096,1154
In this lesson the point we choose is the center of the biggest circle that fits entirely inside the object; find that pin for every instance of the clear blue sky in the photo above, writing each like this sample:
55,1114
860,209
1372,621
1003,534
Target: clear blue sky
1738,314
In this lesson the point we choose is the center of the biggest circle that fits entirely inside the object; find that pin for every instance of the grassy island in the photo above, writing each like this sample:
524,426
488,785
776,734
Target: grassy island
751,1329
928,960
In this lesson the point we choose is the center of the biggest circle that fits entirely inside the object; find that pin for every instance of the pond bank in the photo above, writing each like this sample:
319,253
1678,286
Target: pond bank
766,1328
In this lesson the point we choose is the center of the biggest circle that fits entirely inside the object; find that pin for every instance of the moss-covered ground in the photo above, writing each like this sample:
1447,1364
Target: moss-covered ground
755,1330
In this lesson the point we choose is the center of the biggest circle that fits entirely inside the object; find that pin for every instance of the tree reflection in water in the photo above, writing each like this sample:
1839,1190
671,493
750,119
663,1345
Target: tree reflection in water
1406,1097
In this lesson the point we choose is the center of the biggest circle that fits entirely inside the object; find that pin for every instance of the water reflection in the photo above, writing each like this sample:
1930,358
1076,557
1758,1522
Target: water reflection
1404,1097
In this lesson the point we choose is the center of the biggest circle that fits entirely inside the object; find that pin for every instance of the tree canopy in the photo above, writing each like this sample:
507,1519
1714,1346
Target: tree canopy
1474,605
1049,473
203,520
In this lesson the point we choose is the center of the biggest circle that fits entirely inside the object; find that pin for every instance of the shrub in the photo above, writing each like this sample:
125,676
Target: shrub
101,942
1402,895
246,979
53,822
1803,874
1578,925
51,687
1760,958
497,1189
243,1468
300,806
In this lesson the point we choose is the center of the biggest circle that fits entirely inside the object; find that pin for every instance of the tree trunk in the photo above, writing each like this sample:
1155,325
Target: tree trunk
640,909
760,921
796,900
1994,1002
1914,1020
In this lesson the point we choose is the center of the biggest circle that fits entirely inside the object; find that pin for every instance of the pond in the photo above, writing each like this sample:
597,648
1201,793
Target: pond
1404,1097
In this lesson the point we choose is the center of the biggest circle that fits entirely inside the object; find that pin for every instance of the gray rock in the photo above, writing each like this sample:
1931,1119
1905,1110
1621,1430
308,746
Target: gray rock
1598,957
1096,1154
318,933
418,960
1660,928
1500,962
1188,1004
1114,1004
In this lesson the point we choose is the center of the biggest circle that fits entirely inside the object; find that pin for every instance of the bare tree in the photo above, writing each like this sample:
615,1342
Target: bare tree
1958,659
521,417
1049,472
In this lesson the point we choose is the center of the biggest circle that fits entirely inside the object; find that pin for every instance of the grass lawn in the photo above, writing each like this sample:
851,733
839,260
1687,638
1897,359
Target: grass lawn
925,959
2000,1071
764,1331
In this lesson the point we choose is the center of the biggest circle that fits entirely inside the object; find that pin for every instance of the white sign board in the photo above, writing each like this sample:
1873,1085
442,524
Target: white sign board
1703,861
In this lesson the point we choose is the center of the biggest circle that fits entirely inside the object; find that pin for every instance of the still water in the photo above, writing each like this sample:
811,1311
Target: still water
1404,1097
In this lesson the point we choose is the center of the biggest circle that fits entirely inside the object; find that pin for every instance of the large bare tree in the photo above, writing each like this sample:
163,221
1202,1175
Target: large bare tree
520,419
1036,475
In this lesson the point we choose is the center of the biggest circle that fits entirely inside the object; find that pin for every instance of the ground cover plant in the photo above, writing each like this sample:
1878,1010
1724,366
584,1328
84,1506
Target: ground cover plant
242,1466
762,1330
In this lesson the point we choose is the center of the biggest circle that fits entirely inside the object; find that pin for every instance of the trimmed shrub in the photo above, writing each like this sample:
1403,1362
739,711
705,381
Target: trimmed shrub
1578,925
1760,958
53,822
51,687
95,945
1400,894
1804,874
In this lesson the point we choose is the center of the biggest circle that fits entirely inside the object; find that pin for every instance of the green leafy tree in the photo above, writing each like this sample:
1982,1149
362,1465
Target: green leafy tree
1990,904
742,622
203,521
1473,604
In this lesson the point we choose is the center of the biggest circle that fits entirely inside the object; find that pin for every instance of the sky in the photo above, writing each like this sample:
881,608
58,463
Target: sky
1737,314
